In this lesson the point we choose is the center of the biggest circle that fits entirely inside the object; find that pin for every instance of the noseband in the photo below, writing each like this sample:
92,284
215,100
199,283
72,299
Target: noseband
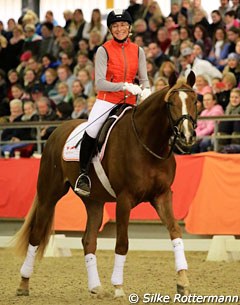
174,126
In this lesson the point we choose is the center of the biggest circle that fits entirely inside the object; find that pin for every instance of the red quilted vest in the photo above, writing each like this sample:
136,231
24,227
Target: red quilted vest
122,66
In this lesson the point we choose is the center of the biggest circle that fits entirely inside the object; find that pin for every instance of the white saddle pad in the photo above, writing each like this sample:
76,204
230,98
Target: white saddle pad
70,151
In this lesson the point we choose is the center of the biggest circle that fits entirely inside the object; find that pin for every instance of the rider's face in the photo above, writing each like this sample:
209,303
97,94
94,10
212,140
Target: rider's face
120,30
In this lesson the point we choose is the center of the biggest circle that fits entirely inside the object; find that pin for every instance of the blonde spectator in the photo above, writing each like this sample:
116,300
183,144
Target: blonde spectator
78,90
95,40
95,23
63,94
202,85
65,75
30,112
83,62
166,69
76,27
90,102
155,11
160,83
80,110
86,80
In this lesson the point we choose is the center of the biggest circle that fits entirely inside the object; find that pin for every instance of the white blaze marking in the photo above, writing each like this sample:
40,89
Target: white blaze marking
183,97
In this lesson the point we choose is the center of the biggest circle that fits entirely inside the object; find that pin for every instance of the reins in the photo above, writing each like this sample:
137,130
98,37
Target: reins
173,126
145,146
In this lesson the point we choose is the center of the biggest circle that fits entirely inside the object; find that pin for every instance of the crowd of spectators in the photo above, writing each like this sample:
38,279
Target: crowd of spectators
47,70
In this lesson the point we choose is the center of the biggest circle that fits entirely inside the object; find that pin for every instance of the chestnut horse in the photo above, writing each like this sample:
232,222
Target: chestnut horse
140,166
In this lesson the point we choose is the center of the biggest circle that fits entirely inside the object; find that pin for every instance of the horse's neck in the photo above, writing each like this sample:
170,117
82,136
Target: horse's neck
152,123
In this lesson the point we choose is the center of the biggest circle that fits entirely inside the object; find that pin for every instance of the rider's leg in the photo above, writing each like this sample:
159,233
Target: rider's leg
97,117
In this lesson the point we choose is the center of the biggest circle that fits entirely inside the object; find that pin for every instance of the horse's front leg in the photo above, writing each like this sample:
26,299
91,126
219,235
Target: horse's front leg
123,209
89,241
163,206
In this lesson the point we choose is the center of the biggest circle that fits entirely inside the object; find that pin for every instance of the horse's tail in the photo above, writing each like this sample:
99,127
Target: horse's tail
21,238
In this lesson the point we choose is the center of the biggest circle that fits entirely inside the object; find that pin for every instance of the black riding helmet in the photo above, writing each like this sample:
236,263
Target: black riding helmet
118,15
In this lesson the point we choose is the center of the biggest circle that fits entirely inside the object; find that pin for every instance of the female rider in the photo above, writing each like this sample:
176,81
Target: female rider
118,62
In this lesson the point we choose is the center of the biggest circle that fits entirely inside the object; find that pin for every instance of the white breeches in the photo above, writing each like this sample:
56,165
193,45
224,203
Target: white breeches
98,116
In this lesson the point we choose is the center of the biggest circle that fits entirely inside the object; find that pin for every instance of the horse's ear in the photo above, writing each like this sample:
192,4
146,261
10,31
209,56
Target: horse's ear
191,78
172,79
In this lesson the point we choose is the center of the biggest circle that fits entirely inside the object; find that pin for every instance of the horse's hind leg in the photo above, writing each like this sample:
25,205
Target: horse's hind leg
89,241
37,228
163,206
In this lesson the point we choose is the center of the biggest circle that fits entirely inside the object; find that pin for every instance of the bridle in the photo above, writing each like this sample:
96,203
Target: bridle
174,124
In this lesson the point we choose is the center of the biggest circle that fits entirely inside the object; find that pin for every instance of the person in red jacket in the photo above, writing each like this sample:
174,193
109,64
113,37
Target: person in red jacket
118,62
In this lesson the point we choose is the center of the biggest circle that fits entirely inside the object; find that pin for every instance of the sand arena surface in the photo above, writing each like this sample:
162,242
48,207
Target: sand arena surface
60,281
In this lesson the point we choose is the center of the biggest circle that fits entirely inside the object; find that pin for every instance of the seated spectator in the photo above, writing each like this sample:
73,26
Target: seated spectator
79,109
227,84
217,22
95,23
233,66
166,69
47,41
63,94
19,93
155,53
140,29
32,41
46,113
231,127
64,111
48,61
78,90
15,46
199,66
151,68
163,39
16,112
198,50
12,79
160,83
30,115
23,64
94,42
200,35
83,62
90,102
29,81
230,20
65,75
50,85
67,59
86,80
174,49
220,49
206,127
202,85
34,65
58,33
232,36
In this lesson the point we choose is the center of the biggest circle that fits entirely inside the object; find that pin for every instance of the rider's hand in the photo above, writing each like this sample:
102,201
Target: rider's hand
145,93
132,88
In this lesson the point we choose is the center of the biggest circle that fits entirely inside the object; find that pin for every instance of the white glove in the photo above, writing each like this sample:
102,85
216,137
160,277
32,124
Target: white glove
134,89
145,93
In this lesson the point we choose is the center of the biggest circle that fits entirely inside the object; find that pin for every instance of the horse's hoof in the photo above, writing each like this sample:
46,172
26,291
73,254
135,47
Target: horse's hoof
183,290
22,292
96,290
119,293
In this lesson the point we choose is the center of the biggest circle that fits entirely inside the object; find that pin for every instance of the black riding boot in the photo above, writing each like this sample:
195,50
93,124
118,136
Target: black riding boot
83,182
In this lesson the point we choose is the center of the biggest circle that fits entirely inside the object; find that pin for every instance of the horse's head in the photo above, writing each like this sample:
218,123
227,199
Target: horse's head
182,111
